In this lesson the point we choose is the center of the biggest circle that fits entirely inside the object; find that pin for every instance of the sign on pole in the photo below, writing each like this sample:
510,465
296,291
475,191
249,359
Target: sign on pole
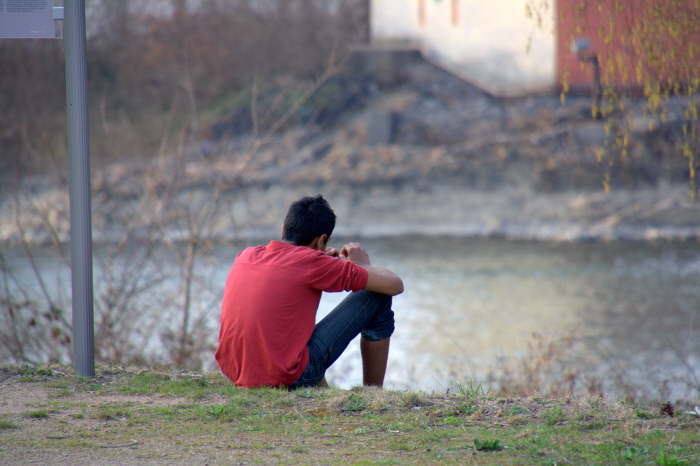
27,19
36,19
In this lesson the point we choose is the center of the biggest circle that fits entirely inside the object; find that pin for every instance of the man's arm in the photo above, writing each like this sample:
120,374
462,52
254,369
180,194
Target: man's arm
383,281
379,280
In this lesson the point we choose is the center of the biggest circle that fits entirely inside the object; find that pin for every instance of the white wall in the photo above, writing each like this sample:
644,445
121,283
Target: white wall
488,46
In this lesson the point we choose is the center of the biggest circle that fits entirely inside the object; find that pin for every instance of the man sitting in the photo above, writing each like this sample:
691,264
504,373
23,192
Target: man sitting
268,335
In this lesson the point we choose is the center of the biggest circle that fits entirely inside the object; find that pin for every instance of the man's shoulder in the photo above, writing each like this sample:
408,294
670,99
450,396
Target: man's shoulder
279,253
250,252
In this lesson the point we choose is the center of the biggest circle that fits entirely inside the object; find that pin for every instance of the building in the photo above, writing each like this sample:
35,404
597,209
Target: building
493,43
516,47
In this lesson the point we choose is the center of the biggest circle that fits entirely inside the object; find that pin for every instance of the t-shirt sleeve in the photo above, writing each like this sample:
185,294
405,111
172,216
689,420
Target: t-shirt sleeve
331,274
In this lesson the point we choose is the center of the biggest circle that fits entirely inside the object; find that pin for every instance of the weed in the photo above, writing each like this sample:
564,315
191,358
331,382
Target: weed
112,413
472,390
168,412
195,387
402,445
451,420
59,384
666,459
412,400
308,393
7,425
432,436
77,444
590,419
355,402
395,426
634,453
40,414
30,370
375,462
553,416
517,420
641,414
87,385
516,409
467,407
487,445
284,403
60,394
29,379
225,413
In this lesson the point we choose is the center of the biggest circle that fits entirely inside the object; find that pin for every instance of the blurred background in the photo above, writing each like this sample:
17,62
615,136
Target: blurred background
529,166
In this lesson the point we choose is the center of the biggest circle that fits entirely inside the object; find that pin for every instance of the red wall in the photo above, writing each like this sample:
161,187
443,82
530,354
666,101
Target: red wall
619,54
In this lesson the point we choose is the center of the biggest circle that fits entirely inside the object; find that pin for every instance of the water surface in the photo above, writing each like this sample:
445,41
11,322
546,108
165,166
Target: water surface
626,313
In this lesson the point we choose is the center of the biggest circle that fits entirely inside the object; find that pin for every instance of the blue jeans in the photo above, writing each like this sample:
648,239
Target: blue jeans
362,312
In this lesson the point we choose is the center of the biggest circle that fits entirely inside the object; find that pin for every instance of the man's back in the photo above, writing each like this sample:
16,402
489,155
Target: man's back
269,310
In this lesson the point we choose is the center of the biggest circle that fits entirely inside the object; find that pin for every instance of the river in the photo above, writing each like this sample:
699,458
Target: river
623,314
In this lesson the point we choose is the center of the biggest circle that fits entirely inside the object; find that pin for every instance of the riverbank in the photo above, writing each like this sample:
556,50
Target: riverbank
145,417
427,208
422,153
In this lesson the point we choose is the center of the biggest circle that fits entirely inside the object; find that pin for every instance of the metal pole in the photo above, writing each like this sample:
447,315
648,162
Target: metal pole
74,42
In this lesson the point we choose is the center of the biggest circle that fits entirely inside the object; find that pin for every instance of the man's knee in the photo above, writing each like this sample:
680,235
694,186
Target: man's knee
382,325
382,300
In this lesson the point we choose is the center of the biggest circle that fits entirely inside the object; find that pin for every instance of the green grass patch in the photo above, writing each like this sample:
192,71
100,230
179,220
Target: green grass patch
34,371
402,445
472,390
7,425
553,416
38,414
60,394
451,420
29,379
354,402
516,409
63,384
466,407
113,413
222,412
177,386
413,400
487,445
307,393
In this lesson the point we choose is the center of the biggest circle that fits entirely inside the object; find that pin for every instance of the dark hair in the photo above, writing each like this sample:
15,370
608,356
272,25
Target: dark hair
308,218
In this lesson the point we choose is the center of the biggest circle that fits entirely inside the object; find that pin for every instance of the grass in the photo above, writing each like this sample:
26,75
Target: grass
487,445
39,414
354,402
7,425
202,418
112,412
554,415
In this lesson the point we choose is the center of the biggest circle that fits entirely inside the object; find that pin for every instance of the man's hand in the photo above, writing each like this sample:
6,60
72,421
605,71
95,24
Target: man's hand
355,253
333,252
378,279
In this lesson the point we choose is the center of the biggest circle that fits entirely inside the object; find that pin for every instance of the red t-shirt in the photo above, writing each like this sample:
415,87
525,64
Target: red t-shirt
269,310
